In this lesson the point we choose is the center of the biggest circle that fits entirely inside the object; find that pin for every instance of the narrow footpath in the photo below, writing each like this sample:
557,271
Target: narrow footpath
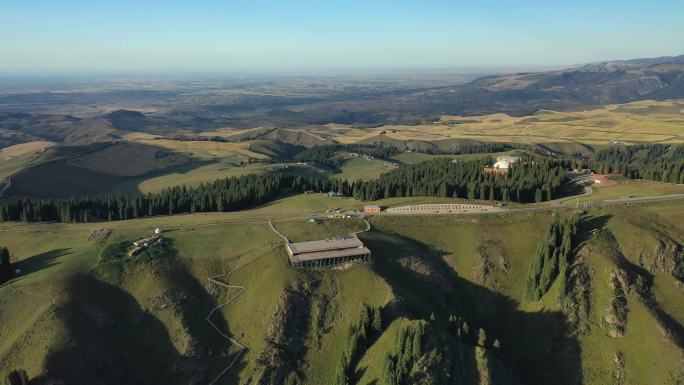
221,280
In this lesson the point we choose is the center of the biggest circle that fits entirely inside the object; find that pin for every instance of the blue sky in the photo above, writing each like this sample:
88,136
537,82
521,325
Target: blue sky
281,35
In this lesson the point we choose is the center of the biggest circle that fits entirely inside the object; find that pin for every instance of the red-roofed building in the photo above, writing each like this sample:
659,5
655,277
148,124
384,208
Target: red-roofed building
599,178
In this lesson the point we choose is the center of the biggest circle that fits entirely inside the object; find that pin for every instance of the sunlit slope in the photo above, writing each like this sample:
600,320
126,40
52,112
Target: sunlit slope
643,121
71,317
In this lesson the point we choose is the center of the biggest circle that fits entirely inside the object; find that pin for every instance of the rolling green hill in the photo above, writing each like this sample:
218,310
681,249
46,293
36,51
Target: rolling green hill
522,297
456,285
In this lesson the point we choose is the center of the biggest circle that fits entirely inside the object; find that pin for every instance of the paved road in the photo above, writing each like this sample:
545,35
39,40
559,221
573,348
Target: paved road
608,202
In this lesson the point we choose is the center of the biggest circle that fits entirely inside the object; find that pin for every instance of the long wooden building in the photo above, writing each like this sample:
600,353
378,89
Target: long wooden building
328,252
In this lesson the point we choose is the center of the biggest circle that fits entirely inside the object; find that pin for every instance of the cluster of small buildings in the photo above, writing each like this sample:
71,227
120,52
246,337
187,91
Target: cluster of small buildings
502,165
599,178
338,215
146,242
586,177
391,165
362,156
328,252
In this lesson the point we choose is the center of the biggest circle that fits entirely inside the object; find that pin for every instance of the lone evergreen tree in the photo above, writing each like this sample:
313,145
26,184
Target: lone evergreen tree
17,377
377,319
5,266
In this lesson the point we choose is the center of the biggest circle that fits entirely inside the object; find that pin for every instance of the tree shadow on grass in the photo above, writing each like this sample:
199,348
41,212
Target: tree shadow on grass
537,345
39,262
569,190
587,228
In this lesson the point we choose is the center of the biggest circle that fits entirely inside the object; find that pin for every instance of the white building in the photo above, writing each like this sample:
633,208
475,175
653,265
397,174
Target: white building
502,164
509,159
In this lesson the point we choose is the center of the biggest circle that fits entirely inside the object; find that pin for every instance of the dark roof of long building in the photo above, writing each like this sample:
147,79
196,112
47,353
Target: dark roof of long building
337,253
326,248
324,245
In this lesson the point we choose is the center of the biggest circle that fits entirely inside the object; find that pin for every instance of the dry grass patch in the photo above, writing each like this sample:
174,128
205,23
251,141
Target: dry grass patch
24,148
646,121
206,149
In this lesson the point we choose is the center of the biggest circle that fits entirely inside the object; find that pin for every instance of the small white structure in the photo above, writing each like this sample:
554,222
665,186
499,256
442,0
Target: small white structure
157,231
145,241
509,159
502,164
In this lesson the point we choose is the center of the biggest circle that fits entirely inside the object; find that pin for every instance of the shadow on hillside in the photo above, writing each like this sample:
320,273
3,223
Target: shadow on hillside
76,180
538,346
195,309
587,227
645,291
276,200
112,339
569,190
39,262
644,287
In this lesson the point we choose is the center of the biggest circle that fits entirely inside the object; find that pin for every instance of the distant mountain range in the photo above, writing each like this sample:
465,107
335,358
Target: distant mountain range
632,63
590,84
295,103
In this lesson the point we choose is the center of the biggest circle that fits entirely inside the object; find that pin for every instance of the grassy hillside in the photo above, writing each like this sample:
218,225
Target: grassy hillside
427,273
41,181
127,167
621,187
129,159
643,121
495,254
143,162
201,174
362,169
93,169
13,158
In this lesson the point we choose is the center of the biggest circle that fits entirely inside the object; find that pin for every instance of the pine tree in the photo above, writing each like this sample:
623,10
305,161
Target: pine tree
482,359
465,330
482,338
5,265
417,342
17,377
377,319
